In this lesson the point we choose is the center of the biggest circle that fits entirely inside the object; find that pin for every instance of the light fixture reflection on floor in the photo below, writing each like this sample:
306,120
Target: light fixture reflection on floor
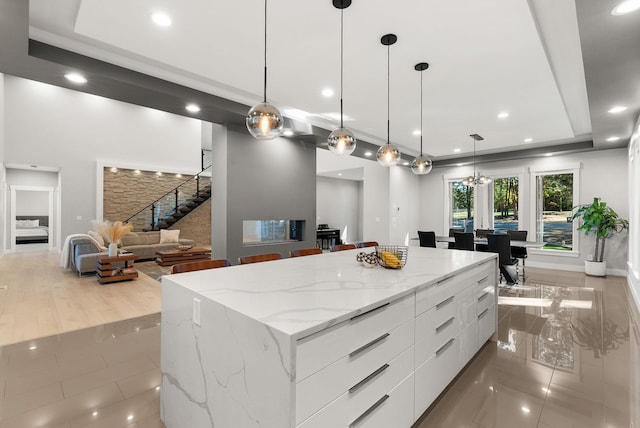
341,141
264,121
421,165
475,179
388,154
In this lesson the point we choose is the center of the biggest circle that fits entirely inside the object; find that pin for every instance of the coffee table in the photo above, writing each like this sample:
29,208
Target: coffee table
116,268
172,257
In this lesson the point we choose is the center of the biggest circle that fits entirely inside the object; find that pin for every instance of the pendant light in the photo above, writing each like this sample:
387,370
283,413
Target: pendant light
264,121
421,165
475,179
388,154
342,141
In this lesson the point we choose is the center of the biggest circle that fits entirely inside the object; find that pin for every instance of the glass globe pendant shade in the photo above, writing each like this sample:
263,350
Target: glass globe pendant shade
469,181
484,180
421,165
264,122
342,142
388,155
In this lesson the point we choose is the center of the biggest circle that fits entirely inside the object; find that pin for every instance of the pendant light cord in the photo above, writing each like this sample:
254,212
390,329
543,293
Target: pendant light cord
341,63
474,158
388,92
265,51
421,114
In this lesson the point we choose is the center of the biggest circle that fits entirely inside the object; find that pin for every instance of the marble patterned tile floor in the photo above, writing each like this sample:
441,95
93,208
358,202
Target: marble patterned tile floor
567,355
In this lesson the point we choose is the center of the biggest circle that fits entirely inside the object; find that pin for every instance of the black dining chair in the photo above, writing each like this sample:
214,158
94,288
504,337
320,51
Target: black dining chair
482,234
427,239
501,243
453,230
518,252
463,241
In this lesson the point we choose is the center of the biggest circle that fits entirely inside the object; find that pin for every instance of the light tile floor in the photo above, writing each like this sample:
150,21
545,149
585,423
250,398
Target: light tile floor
567,355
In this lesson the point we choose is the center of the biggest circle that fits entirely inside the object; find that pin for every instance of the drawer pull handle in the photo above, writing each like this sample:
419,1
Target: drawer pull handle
445,346
360,384
447,278
444,324
445,302
483,313
481,298
369,311
483,279
367,412
368,345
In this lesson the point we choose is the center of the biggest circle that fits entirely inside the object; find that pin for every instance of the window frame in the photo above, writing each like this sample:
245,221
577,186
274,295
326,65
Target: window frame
506,173
448,218
534,173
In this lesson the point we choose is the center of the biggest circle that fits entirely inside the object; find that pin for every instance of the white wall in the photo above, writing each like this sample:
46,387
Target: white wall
337,204
3,184
32,203
70,130
404,205
602,173
634,214
375,191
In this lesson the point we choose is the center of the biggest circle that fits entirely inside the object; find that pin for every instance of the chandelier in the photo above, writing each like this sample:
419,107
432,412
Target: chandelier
475,179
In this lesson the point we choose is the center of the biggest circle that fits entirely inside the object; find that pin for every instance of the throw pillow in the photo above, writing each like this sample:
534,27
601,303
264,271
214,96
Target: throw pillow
33,223
169,236
22,223
97,237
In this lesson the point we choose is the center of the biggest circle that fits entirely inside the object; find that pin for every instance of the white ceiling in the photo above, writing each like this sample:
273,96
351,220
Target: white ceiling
519,56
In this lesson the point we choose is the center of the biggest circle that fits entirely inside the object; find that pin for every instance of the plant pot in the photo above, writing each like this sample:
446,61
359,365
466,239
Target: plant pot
113,249
595,268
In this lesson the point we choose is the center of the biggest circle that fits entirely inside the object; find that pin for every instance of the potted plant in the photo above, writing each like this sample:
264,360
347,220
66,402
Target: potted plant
604,222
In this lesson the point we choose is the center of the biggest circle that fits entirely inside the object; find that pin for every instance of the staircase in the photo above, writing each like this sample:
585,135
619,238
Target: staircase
174,205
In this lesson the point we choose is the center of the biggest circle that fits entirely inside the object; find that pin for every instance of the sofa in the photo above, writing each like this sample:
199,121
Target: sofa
85,250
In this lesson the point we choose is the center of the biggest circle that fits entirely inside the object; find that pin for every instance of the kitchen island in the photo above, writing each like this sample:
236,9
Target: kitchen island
321,341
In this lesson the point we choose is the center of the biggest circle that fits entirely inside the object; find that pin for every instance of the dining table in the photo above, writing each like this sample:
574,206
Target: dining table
483,241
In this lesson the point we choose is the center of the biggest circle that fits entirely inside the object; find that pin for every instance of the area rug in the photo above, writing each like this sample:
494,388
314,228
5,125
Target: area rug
153,269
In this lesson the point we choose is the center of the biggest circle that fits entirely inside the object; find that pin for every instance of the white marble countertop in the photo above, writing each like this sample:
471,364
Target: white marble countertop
302,295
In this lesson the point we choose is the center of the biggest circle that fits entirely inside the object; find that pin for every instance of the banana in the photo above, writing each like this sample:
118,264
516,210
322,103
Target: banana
390,259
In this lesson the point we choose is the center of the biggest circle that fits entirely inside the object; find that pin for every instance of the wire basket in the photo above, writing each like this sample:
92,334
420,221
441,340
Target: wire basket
392,256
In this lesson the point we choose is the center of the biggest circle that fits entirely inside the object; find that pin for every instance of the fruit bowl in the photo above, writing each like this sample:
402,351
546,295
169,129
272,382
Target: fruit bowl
184,246
392,256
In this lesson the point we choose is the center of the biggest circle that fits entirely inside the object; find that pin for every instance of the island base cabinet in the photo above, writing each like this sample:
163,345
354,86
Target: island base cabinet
383,401
432,376
486,324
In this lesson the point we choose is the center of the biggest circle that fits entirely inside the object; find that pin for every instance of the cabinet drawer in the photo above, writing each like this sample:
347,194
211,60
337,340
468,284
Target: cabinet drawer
351,373
434,375
396,382
486,298
486,324
329,345
435,327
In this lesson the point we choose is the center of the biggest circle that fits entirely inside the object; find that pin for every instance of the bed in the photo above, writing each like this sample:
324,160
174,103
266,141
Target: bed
32,229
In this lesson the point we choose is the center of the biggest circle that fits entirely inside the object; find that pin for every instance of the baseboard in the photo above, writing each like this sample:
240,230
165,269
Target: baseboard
572,268
634,288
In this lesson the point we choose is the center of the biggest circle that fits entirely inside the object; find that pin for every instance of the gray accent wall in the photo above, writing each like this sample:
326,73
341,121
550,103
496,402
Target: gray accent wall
338,205
260,180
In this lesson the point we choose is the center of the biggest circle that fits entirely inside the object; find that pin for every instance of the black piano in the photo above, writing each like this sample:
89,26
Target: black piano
326,237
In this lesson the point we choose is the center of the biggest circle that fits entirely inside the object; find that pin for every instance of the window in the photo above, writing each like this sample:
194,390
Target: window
555,193
505,203
461,206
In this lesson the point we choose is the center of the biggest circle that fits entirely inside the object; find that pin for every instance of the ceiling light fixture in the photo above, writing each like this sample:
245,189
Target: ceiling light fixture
264,121
617,109
612,139
287,133
368,154
75,78
161,19
528,140
192,108
625,7
417,132
503,115
475,179
341,141
327,92
388,154
456,150
421,165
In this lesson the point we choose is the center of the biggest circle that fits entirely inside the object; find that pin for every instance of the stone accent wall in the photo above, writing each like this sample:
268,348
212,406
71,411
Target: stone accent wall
127,191
197,225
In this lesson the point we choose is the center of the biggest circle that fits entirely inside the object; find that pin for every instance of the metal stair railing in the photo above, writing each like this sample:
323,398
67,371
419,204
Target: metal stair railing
171,203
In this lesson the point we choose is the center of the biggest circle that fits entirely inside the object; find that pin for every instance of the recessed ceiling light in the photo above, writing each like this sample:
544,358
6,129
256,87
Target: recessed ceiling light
625,7
287,133
95,413
528,140
503,115
548,154
130,417
327,92
456,150
192,108
32,348
405,163
75,78
617,109
161,19
368,154
459,164
339,174
612,139
525,410
417,132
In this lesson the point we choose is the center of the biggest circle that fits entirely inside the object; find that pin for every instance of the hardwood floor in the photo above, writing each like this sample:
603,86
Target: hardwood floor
39,298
